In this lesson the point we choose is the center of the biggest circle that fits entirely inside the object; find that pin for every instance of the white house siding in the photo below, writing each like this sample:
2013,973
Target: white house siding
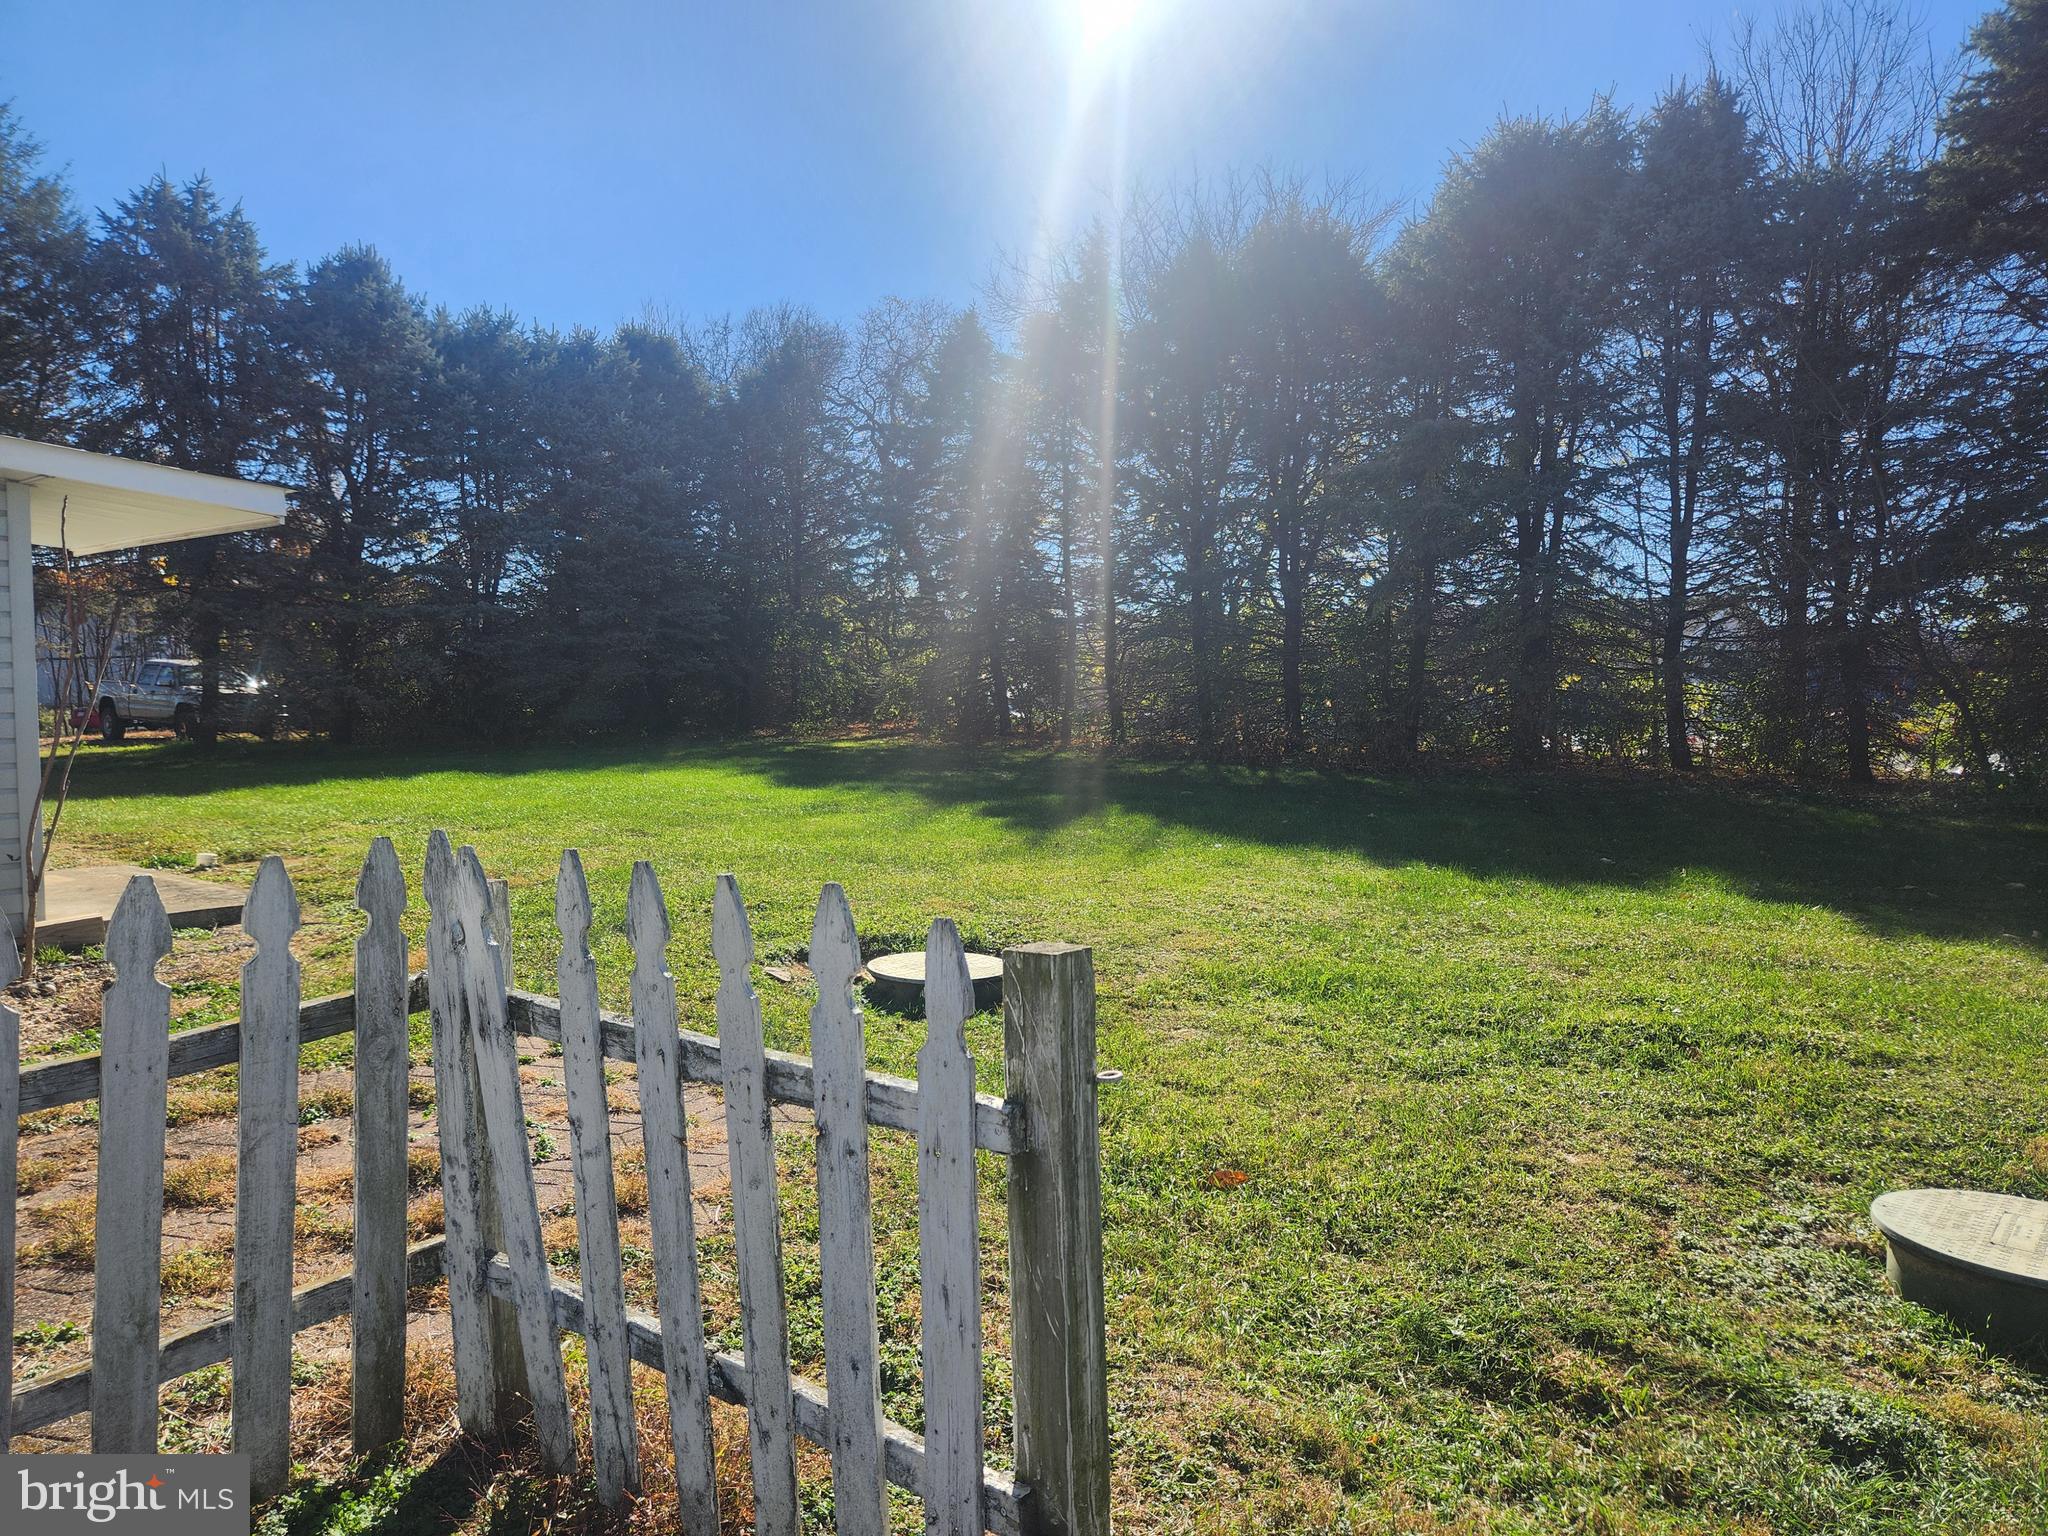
19,739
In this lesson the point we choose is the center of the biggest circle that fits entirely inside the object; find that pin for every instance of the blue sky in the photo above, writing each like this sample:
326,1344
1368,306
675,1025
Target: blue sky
578,162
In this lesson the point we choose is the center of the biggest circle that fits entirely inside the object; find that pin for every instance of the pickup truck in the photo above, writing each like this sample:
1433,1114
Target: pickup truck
166,692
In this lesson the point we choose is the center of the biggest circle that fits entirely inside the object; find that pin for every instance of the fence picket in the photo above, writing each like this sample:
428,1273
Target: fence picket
508,1359
757,1234
476,1376
127,1288
846,1237
948,1243
614,1444
497,1073
266,1193
382,1057
670,1213
10,1128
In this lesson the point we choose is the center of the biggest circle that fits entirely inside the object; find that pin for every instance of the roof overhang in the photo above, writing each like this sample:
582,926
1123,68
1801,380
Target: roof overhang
93,502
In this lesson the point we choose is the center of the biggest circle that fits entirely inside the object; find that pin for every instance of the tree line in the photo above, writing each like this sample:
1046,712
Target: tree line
1705,434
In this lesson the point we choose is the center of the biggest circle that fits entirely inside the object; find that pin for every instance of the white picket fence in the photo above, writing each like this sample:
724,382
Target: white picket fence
507,1311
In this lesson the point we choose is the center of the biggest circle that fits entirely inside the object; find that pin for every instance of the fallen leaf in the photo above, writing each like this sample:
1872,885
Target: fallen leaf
1229,1178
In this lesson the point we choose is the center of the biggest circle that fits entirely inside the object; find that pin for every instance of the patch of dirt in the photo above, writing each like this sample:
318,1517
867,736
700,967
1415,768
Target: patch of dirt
63,1000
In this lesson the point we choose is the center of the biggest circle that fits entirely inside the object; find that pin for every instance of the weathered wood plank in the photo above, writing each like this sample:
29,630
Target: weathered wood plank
846,1236
949,1243
10,1132
128,1226
891,1100
614,1444
266,1191
76,1079
382,1058
489,1037
665,1131
500,921
65,1392
757,1231
1058,1346
508,1357
476,1376
1004,1499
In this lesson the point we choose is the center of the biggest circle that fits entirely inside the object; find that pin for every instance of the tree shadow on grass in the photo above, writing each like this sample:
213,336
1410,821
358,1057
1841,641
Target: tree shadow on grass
177,769
1895,864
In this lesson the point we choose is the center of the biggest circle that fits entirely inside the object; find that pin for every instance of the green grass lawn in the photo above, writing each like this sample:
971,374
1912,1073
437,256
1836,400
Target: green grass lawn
1562,1103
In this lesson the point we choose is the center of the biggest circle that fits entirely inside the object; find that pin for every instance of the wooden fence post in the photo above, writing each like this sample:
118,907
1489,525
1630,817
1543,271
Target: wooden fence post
614,1447
382,1057
478,1390
266,1196
508,1357
497,1074
949,1244
1056,1318
846,1230
128,1223
664,1136
756,1218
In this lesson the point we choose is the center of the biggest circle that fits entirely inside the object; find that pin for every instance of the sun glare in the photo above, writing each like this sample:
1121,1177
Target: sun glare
1101,29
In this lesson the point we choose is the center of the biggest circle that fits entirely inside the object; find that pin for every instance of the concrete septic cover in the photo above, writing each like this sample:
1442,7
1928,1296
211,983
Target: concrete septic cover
1979,1257
900,976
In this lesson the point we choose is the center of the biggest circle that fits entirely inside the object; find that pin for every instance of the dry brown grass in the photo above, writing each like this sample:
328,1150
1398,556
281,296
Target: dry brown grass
67,1241
208,1097
424,1218
422,1167
35,1174
631,1191
316,1229
204,1269
200,1183
331,1186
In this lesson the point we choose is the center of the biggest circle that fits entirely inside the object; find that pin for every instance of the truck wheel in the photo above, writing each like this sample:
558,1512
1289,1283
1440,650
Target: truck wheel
185,723
112,726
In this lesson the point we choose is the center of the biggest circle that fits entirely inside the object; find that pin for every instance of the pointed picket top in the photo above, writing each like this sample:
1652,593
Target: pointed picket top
647,923
270,915
472,897
472,884
732,936
948,989
835,947
380,888
139,933
440,880
572,905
